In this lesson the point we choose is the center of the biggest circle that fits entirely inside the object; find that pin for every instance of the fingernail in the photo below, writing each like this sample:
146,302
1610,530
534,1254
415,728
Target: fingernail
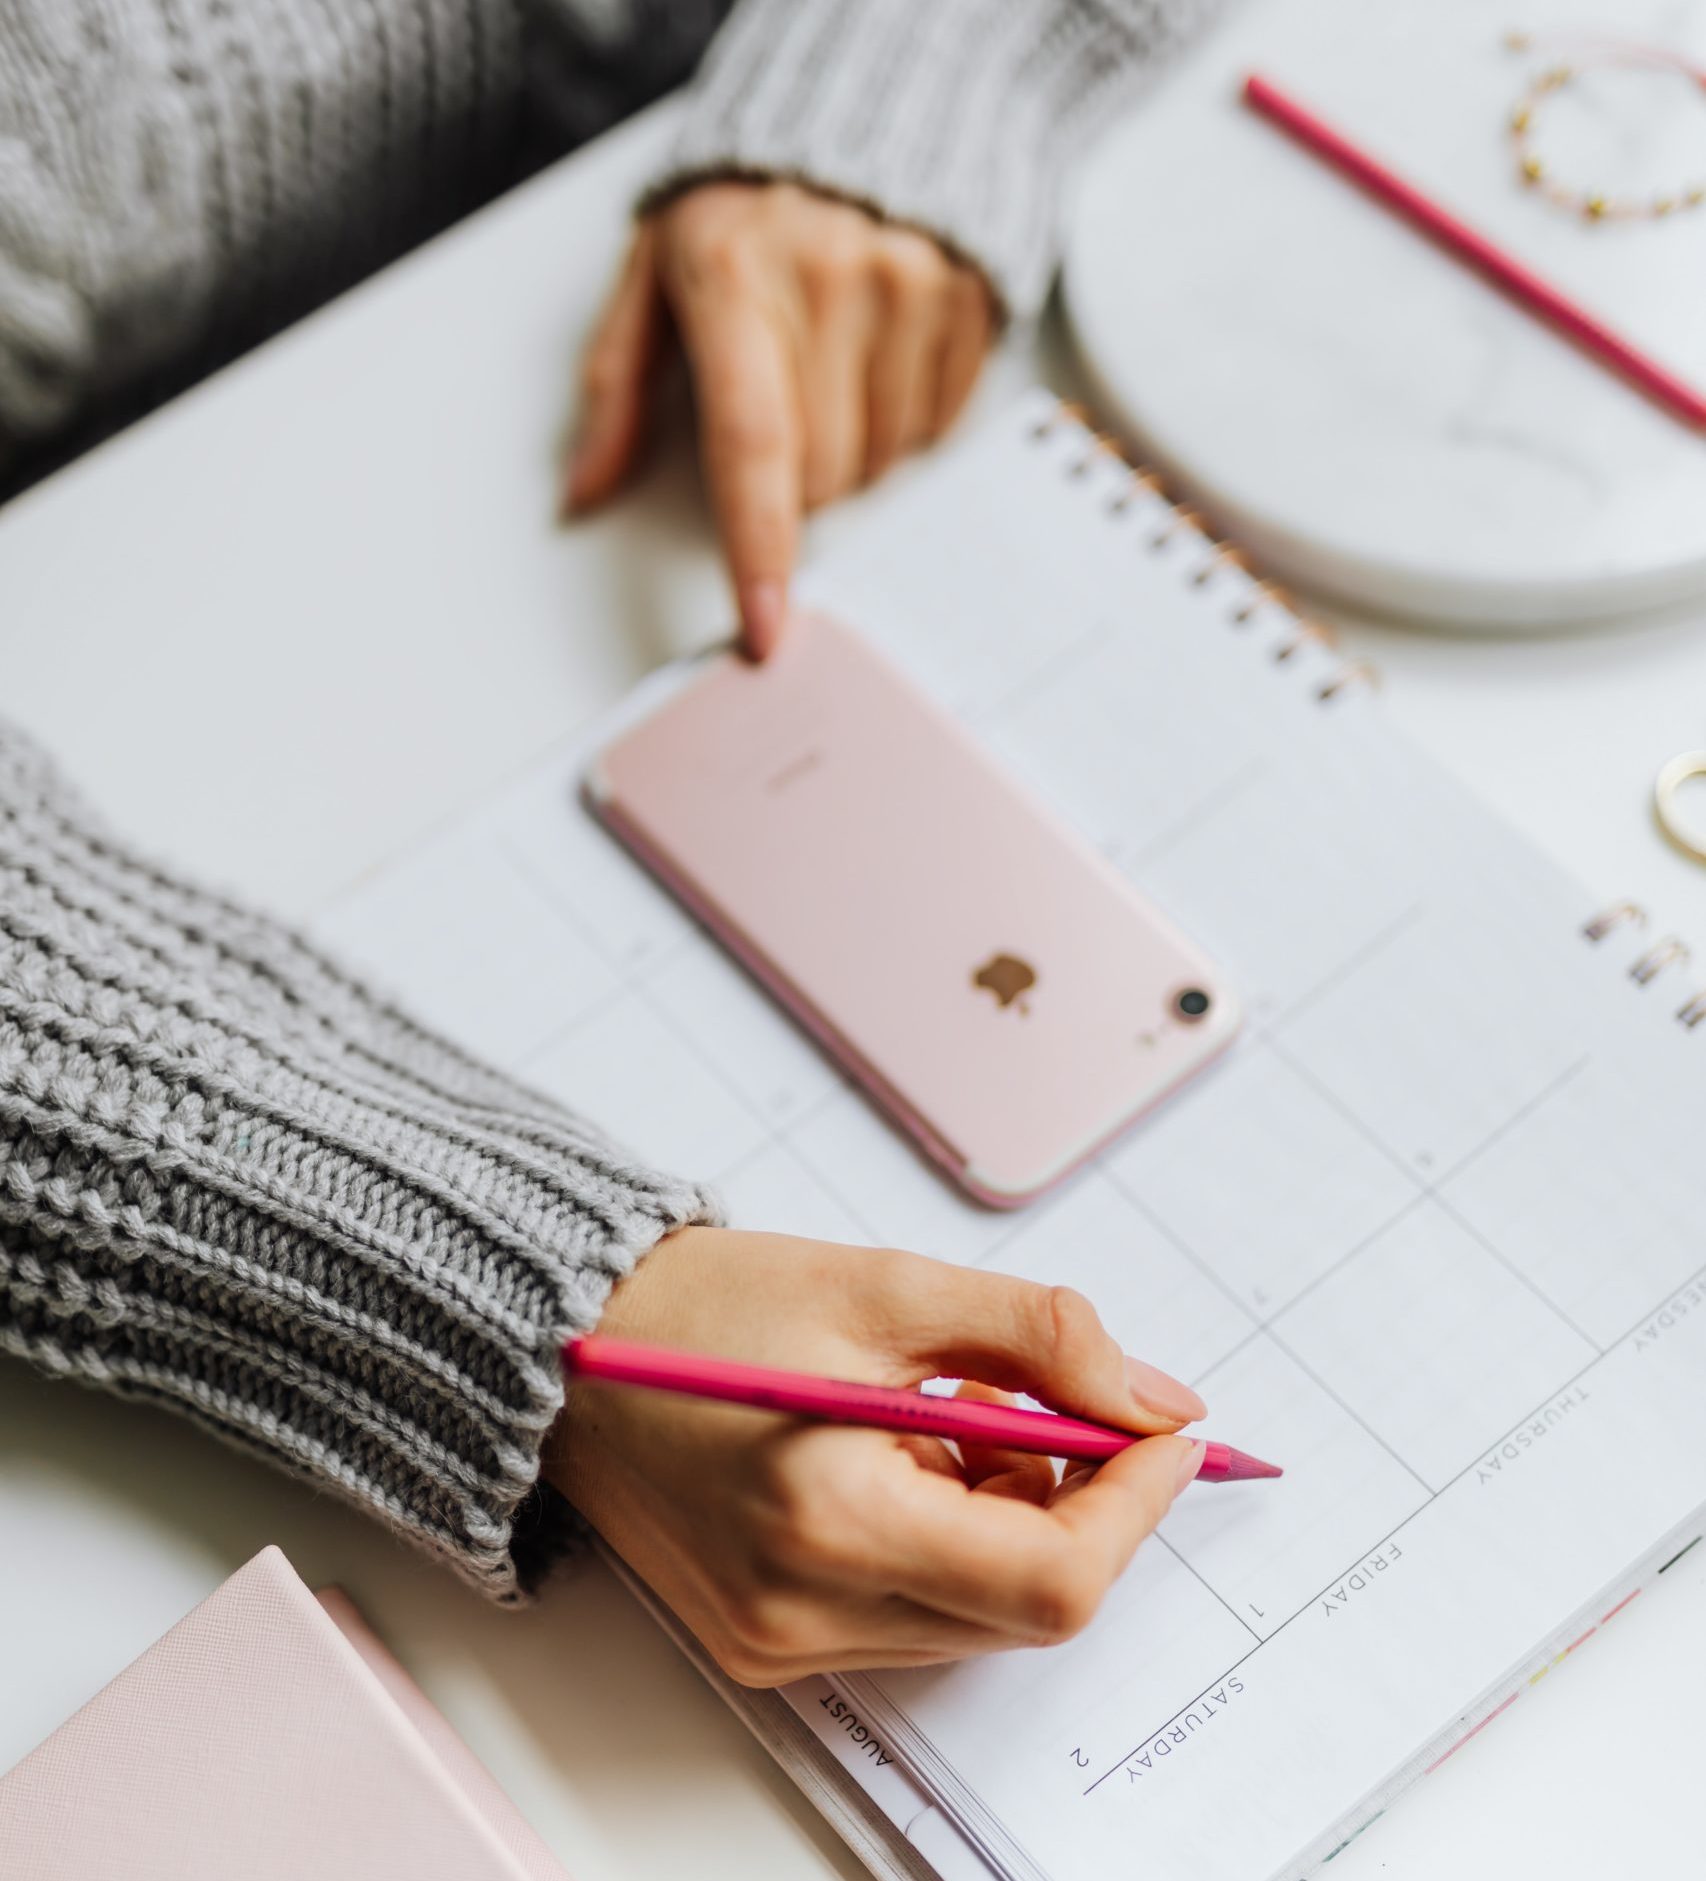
763,611
1155,1391
1189,1463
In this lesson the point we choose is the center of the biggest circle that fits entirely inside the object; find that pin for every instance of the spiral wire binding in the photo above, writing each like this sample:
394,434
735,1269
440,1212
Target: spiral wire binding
1654,961
1609,918
1144,480
1667,952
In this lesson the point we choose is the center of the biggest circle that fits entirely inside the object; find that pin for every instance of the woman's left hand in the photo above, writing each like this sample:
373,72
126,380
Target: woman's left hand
822,343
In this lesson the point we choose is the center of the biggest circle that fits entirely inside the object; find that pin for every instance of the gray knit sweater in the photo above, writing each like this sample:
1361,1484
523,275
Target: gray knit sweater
233,1180
179,177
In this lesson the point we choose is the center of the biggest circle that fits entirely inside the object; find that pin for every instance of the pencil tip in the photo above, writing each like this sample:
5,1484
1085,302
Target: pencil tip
1242,1467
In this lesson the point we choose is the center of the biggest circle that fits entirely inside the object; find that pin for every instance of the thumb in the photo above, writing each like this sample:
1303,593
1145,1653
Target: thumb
615,376
1047,1341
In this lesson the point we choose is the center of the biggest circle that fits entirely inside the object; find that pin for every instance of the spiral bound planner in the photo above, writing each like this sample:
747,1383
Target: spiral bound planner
1431,1228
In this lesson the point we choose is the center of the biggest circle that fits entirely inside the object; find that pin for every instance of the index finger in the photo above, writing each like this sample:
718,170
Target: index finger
1036,1573
750,445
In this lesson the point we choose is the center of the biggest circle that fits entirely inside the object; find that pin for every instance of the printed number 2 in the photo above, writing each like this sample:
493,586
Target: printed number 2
1081,1760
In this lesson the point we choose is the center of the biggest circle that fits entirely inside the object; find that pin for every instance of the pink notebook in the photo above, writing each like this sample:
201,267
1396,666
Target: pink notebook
268,1735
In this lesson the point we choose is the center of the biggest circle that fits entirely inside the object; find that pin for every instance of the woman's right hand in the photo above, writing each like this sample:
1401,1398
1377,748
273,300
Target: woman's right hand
823,343
792,1547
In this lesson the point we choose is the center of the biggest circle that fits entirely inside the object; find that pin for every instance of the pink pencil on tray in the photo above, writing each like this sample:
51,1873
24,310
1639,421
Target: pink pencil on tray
1473,248
878,1407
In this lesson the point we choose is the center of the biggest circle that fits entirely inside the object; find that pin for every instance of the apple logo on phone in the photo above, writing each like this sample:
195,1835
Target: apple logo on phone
1006,976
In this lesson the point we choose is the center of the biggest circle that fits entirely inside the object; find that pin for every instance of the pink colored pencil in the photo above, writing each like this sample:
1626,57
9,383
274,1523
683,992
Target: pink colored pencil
1470,246
836,1401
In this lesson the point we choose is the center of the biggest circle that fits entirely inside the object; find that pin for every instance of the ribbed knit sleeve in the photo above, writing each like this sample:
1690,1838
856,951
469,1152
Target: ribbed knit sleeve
236,1182
958,117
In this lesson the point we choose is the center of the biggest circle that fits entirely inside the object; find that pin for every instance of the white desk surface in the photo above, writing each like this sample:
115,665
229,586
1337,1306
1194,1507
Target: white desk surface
295,619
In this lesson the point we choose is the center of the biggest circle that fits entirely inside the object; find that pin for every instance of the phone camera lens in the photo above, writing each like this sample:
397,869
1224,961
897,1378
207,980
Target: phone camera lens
1191,1004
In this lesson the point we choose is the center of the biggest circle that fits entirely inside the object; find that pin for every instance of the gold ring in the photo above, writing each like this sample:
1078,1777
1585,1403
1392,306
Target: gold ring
1679,771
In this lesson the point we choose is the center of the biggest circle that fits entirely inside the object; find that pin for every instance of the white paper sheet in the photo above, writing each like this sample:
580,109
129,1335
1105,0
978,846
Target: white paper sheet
1431,1235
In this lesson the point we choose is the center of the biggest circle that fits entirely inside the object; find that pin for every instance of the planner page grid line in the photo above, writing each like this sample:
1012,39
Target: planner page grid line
1384,1232
1697,1279
1413,1181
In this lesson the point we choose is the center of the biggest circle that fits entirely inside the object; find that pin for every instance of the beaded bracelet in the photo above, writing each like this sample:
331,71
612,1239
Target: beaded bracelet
1595,205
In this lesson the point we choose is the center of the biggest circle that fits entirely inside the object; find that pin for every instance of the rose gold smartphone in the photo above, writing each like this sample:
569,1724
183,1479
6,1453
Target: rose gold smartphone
1004,994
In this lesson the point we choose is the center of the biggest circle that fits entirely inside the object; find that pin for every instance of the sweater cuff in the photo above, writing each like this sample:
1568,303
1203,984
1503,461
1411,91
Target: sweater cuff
956,117
236,1182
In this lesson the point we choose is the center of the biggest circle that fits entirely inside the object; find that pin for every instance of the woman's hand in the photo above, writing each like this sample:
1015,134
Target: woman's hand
791,1547
822,344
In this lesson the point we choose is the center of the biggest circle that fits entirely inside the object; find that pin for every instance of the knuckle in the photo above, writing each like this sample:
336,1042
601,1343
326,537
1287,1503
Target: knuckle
719,257
1063,1600
767,1628
910,270
779,1483
808,1544
747,430
832,267
706,206
891,1273
750,1615
894,1293
1069,1324
746,1667
805,1528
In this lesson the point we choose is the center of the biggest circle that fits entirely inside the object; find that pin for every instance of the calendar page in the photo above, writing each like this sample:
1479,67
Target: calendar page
1429,1235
